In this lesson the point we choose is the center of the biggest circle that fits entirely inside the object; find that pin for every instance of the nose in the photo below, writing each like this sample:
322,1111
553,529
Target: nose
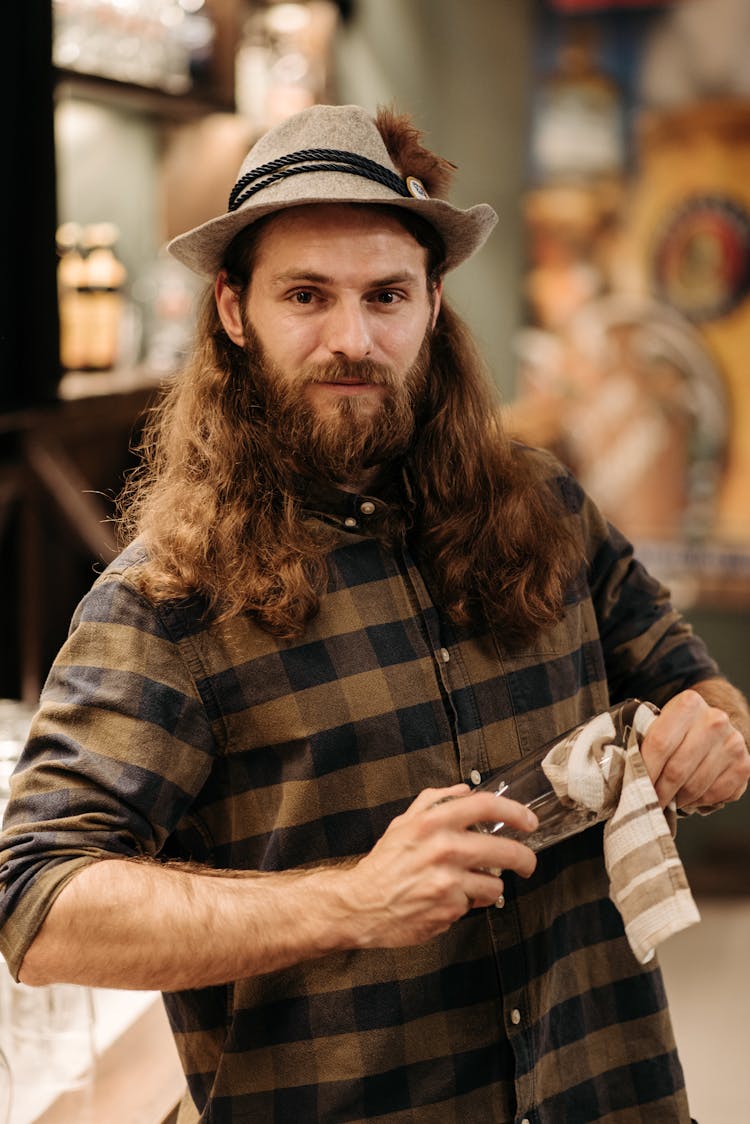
347,332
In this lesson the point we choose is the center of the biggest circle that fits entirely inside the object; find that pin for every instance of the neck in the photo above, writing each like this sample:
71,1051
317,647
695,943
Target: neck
364,482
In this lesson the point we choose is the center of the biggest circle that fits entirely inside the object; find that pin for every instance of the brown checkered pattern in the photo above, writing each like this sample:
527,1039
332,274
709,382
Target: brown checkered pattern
177,737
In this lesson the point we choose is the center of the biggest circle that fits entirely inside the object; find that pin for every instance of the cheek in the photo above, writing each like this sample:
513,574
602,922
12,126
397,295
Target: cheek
289,344
297,337
401,342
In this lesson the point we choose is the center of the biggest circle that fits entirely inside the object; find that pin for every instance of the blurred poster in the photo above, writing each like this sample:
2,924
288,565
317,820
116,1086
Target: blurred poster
688,240
628,396
631,364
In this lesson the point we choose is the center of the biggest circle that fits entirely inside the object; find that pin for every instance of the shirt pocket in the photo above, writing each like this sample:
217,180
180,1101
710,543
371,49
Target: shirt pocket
558,679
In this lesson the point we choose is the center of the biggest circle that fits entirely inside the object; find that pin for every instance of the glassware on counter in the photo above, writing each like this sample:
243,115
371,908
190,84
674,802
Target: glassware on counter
51,1035
6,1089
163,44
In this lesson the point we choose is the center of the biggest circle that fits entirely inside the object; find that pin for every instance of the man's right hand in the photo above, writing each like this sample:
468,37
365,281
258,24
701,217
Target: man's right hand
428,869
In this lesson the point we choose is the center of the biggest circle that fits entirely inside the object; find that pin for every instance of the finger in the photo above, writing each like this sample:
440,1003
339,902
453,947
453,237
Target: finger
497,853
697,755
483,889
722,776
480,852
716,796
668,731
431,796
677,744
484,808
711,781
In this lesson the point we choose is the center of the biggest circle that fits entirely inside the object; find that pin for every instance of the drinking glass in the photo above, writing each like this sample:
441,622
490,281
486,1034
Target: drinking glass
526,781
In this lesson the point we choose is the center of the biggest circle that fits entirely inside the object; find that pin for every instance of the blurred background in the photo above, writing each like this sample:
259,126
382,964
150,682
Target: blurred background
612,302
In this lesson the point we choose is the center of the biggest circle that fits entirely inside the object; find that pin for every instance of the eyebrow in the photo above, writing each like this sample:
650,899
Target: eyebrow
404,277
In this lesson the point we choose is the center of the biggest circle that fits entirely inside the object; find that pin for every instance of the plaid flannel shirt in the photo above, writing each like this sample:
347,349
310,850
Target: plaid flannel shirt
163,734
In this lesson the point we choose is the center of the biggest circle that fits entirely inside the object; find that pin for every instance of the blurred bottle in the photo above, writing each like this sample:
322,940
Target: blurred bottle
578,132
105,275
91,278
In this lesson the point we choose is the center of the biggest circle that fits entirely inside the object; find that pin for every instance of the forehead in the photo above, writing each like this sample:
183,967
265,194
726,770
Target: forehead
337,233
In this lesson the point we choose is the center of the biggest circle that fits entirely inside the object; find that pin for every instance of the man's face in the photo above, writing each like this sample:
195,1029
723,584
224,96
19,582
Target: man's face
337,322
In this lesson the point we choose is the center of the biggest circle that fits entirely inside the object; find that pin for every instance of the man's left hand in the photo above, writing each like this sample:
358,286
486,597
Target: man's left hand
694,753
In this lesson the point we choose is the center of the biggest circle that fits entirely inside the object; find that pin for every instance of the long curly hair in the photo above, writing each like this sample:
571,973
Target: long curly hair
214,501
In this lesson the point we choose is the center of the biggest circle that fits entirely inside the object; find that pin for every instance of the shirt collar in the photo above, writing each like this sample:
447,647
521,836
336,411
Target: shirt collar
356,511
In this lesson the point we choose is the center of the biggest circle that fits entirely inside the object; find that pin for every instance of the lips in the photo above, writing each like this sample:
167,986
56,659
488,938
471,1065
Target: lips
342,374
348,386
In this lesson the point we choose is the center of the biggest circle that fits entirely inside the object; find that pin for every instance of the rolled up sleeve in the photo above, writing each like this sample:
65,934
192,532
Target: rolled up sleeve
117,753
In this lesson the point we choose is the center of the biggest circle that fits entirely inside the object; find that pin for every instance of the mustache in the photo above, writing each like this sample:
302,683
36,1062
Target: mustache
351,370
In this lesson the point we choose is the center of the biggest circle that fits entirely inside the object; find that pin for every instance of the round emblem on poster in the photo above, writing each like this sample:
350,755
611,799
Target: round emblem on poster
701,261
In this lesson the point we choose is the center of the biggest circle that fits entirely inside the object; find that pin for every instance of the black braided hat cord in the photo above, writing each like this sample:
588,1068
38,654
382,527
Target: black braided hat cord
321,160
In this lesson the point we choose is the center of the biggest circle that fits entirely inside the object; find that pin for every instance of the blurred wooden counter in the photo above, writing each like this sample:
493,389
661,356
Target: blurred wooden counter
137,1079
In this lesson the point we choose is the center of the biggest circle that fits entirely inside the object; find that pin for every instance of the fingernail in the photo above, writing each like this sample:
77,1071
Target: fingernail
531,820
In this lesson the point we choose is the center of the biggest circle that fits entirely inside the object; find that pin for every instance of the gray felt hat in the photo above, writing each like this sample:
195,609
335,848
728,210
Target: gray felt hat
327,154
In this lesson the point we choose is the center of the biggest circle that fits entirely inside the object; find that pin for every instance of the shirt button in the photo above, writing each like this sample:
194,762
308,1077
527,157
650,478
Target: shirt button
499,904
350,521
525,1120
367,508
515,1016
475,776
445,655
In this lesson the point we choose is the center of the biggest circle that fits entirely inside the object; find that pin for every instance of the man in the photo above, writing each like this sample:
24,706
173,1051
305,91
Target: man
350,597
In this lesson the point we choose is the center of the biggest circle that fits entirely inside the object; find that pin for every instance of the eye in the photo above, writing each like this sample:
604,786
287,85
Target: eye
302,296
388,296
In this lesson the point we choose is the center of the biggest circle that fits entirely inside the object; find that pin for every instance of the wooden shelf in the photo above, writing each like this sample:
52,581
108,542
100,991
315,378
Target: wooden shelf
142,99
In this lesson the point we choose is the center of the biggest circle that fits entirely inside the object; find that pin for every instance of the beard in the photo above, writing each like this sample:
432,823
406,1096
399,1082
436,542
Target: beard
351,438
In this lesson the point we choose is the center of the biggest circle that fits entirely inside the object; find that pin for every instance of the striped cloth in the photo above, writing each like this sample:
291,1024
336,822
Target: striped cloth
599,766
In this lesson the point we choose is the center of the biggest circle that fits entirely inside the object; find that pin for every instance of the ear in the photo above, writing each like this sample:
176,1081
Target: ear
437,301
228,305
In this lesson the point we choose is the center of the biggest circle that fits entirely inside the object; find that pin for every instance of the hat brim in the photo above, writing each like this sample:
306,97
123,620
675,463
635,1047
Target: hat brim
463,231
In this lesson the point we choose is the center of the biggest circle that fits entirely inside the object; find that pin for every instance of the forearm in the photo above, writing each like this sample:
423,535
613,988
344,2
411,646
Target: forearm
140,925
133,924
